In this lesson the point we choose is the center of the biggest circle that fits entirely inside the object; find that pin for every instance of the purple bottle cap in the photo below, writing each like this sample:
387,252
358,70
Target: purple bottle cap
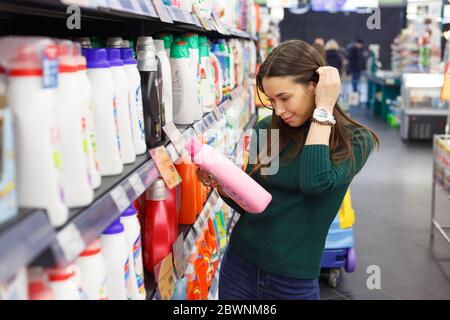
131,211
96,58
114,57
115,227
127,56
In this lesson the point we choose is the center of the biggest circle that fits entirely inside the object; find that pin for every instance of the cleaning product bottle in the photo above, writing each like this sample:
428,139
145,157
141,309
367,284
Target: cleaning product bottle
193,43
136,109
236,183
75,178
218,78
93,272
188,209
198,194
38,181
122,90
168,40
201,265
64,283
172,216
114,42
38,285
206,79
193,291
105,112
156,236
89,144
185,100
218,50
166,79
151,81
115,252
211,241
132,227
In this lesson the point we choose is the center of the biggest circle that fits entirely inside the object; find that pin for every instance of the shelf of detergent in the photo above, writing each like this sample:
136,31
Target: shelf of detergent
182,12
55,74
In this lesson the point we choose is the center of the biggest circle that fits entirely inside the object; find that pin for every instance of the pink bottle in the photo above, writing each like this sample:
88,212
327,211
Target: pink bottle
236,183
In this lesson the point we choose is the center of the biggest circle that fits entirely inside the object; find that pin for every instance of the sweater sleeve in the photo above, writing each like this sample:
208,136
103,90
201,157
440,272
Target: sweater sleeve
319,176
230,202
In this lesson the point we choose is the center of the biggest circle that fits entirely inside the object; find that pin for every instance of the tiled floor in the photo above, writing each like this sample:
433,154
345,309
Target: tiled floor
392,199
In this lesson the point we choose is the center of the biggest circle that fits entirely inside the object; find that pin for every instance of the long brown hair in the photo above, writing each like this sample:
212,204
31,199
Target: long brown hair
299,60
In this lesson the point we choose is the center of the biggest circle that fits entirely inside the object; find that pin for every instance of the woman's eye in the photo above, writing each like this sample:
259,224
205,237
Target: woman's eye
284,99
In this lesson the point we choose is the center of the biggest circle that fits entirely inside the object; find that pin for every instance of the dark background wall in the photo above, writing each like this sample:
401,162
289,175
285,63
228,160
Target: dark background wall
346,27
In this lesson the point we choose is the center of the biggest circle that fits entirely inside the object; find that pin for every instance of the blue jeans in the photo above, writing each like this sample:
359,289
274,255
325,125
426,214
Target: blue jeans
241,280
355,80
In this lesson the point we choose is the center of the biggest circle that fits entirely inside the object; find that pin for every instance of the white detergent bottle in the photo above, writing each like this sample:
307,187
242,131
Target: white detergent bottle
206,79
161,53
64,283
93,272
193,44
136,110
75,178
122,90
105,112
115,252
33,104
132,227
184,86
89,145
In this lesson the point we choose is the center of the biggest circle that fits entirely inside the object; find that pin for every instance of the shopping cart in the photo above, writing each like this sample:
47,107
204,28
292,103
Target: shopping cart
339,252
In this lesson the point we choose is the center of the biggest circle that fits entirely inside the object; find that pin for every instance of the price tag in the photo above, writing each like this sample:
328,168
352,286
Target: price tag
165,167
178,140
161,9
165,278
196,20
120,198
180,257
71,242
137,185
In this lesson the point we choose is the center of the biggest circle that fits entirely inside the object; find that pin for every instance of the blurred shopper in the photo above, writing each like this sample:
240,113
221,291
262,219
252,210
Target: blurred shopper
356,63
319,45
333,55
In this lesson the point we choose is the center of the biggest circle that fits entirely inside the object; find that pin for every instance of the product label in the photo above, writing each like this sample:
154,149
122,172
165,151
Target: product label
50,67
127,279
85,142
139,265
116,121
140,111
56,157
165,167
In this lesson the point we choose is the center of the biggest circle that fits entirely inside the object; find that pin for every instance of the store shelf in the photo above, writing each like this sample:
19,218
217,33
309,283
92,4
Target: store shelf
22,239
426,112
116,193
103,20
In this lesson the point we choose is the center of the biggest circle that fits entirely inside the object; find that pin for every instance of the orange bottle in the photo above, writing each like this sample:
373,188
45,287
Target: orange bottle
202,265
188,209
199,195
211,240
192,284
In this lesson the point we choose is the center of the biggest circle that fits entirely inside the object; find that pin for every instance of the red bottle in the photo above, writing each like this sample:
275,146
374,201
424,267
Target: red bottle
173,214
156,225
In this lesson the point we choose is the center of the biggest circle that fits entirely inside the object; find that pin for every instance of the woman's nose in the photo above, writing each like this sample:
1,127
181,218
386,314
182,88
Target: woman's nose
279,110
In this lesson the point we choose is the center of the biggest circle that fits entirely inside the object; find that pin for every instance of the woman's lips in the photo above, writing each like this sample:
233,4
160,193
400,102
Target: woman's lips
287,119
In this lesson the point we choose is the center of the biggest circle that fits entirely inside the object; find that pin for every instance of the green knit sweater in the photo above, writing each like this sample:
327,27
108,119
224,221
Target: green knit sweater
288,238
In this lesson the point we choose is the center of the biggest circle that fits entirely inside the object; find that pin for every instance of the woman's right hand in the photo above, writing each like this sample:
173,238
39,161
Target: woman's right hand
209,180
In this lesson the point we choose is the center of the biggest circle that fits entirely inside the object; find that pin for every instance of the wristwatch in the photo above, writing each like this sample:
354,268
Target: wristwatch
323,116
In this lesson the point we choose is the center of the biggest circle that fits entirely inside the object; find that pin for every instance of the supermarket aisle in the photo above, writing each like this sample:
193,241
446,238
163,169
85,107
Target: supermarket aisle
391,199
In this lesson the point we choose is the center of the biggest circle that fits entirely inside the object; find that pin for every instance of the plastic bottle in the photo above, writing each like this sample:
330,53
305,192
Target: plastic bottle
93,272
218,49
114,42
89,141
213,247
184,93
168,40
122,90
75,162
166,79
156,236
132,227
218,78
38,181
193,291
64,283
188,208
136,109
105,112
236,183
194,54
115,252
206,79
201,265
151,81
38,285
172,206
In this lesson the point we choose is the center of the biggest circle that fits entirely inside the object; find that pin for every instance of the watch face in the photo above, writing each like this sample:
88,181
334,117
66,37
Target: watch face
322,113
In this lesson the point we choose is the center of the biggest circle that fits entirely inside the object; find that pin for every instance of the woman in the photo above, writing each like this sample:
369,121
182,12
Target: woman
277,254
333,55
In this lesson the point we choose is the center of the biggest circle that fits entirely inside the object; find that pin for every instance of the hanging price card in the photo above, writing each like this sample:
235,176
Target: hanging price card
165,278
165,167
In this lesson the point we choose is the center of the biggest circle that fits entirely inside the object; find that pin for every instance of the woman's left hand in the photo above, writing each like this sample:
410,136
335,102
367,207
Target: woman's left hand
328,88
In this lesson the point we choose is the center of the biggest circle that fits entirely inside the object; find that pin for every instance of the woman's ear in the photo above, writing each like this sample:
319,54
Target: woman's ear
311,88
